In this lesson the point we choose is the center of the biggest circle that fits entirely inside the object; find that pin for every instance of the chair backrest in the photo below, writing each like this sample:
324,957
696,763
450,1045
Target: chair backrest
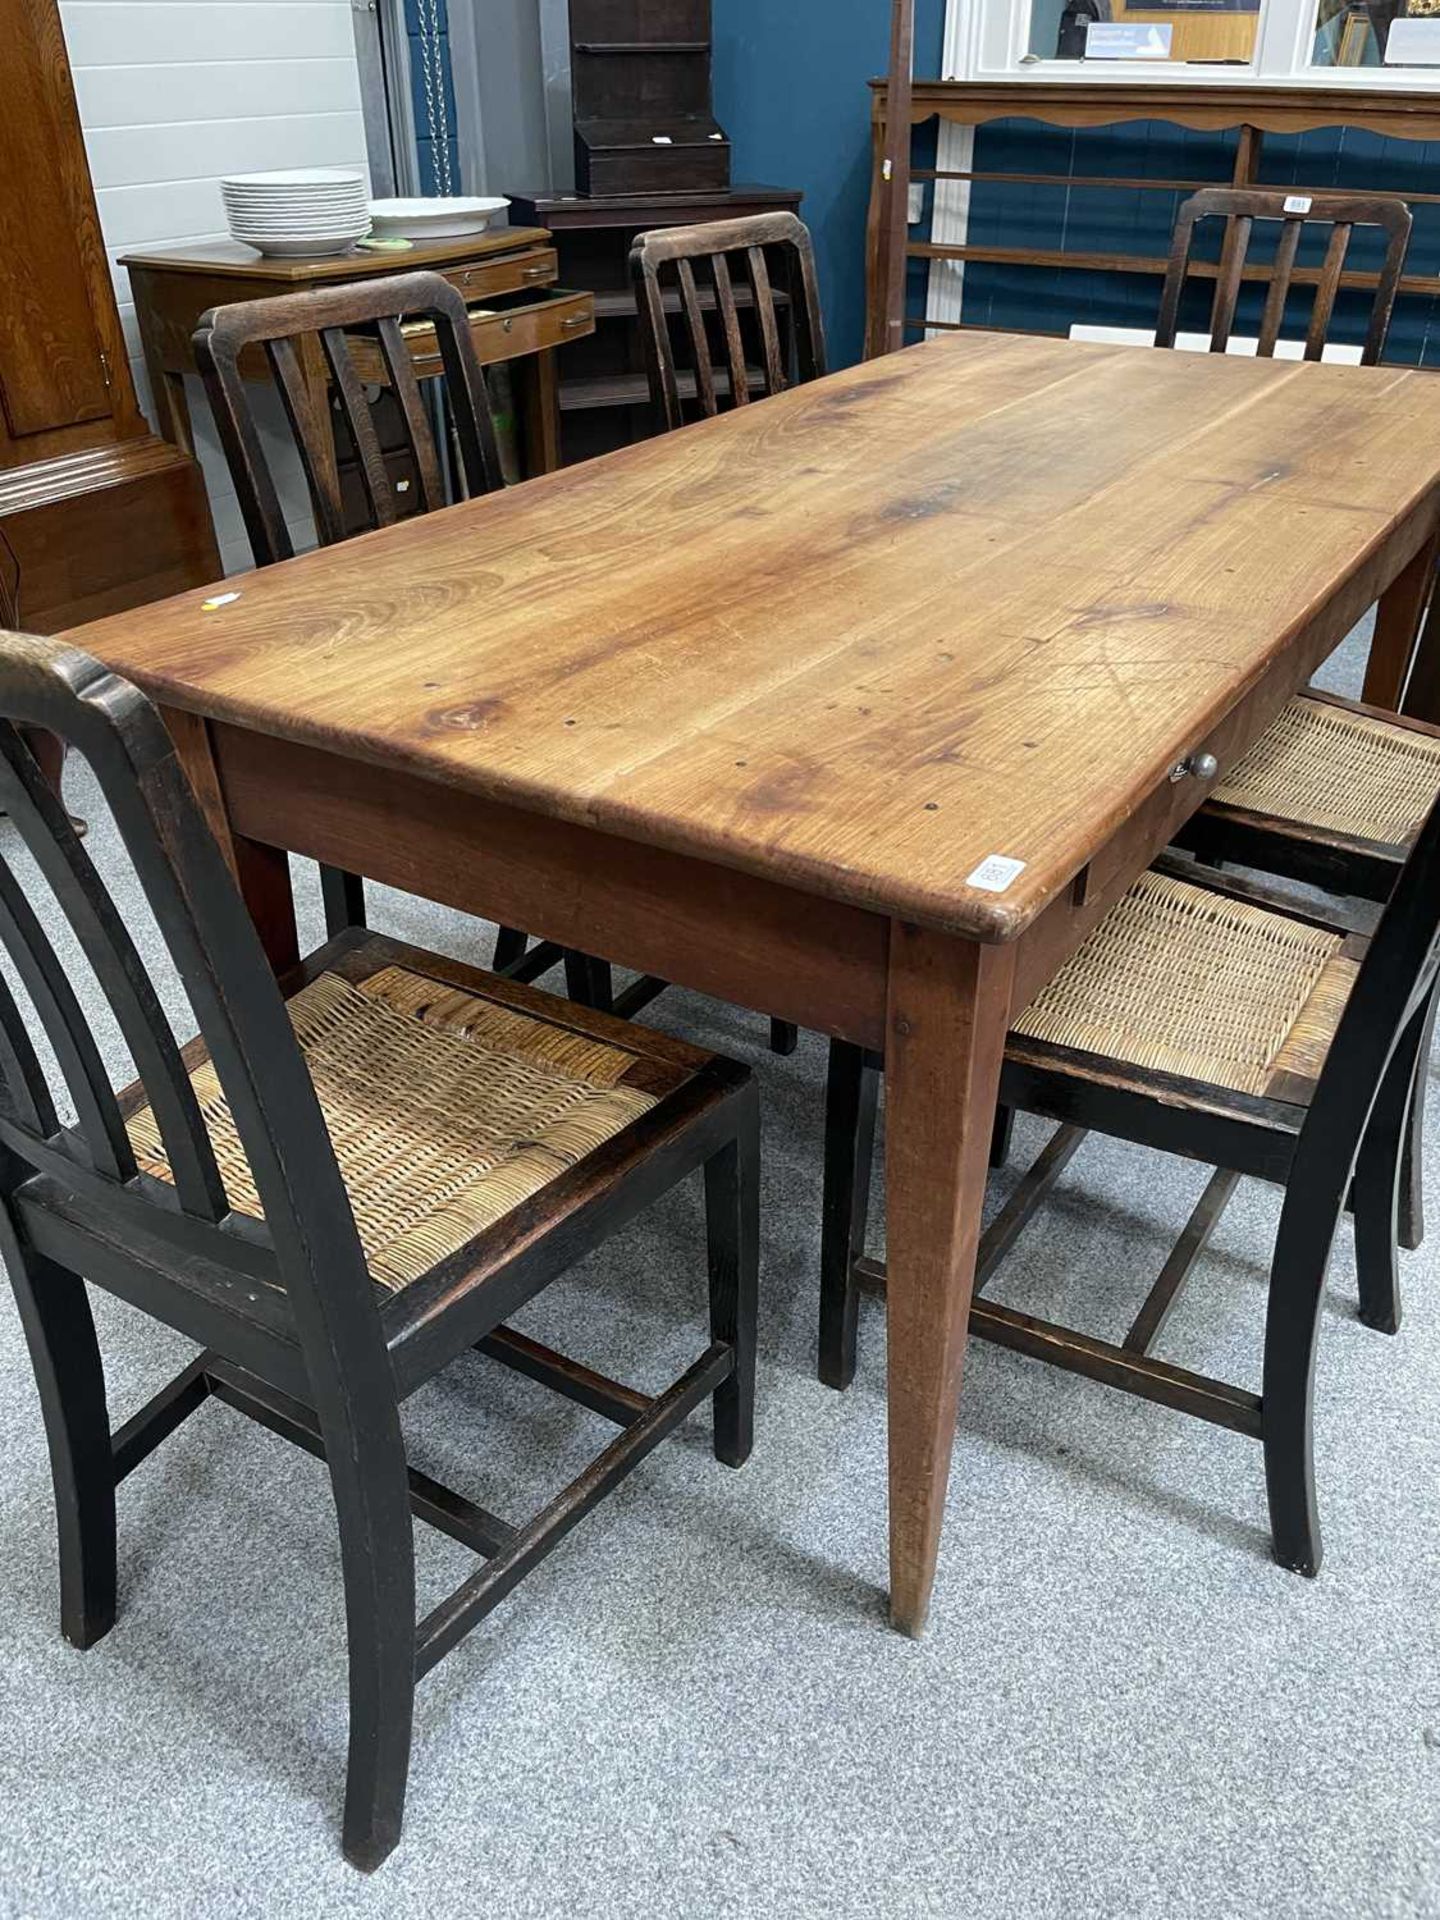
306,1248
306,338
777,256
1385,1012
1240,208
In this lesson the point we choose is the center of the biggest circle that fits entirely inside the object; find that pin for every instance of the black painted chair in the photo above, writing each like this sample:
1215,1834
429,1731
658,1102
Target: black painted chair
1228,1023
345,1182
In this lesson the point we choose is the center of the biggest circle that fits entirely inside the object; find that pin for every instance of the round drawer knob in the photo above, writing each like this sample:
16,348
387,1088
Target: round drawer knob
1200,766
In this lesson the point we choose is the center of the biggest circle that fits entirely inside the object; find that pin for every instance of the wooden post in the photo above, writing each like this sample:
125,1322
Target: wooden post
887,331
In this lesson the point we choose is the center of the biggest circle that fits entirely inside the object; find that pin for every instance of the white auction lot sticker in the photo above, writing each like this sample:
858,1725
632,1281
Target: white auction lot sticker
997,874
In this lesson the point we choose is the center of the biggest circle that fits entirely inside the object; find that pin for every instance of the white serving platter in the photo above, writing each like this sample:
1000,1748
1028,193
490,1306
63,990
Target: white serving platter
434,219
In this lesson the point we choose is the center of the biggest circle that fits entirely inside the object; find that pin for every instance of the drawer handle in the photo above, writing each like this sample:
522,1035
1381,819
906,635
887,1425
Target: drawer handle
1200,766
541,272
574,321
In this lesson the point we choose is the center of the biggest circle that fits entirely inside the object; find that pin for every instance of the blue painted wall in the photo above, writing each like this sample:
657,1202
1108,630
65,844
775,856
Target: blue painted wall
790,90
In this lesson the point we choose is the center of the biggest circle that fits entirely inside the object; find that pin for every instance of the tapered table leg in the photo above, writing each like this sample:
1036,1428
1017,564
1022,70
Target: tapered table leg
262,873
1397,623
1422,695
949,1008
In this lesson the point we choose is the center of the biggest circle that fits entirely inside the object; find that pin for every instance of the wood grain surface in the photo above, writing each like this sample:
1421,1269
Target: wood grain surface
975,599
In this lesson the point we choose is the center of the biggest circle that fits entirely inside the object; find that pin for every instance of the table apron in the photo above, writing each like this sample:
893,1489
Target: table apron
744,939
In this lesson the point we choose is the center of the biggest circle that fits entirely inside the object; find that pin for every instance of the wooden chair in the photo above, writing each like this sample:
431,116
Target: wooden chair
306,339
1226,1023
1334,796
1335,793
1240,208
344,1183
767,241
779,280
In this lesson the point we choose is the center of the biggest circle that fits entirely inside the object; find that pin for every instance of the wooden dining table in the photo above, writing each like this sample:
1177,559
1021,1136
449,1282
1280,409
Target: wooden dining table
858,707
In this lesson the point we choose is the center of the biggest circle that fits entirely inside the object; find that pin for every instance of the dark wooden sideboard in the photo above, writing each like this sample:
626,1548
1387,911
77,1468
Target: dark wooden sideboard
96,513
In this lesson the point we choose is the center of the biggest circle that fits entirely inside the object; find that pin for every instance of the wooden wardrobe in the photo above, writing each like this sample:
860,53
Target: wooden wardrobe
96,512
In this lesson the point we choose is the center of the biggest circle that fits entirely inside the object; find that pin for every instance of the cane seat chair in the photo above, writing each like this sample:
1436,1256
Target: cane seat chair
770,327
1334,794
1294,214
1223,1021
347,1180
335,343
756,289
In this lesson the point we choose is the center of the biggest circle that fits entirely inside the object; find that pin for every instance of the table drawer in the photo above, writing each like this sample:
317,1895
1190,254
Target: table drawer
536,267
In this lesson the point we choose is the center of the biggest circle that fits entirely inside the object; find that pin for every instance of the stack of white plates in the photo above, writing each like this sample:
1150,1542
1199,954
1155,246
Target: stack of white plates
309,210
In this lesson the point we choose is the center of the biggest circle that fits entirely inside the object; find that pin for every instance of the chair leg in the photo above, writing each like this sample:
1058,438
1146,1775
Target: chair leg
732,1211
1412,1179
60,1333
1376,1193
1292,1327
510,946
1003,1138
343,896
852,1096
377,1551
589,982
784,1038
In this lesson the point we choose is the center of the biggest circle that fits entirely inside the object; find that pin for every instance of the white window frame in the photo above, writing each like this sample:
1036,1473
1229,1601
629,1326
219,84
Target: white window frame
989,40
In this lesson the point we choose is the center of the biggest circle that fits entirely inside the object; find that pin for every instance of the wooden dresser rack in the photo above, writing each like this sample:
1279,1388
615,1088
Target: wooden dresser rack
1251,110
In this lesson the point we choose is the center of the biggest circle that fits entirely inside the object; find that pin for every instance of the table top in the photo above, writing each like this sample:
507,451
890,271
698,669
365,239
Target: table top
232,260
973,599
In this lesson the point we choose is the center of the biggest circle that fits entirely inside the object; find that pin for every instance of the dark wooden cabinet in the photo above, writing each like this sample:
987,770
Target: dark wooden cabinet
644,113
604,387
96,513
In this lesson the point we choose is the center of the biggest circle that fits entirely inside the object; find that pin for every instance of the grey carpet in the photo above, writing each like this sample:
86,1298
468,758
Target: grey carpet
1122,1706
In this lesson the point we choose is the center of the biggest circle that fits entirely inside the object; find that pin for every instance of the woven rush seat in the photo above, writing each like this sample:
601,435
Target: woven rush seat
356,1175
1329,767
1179,980
446,1111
